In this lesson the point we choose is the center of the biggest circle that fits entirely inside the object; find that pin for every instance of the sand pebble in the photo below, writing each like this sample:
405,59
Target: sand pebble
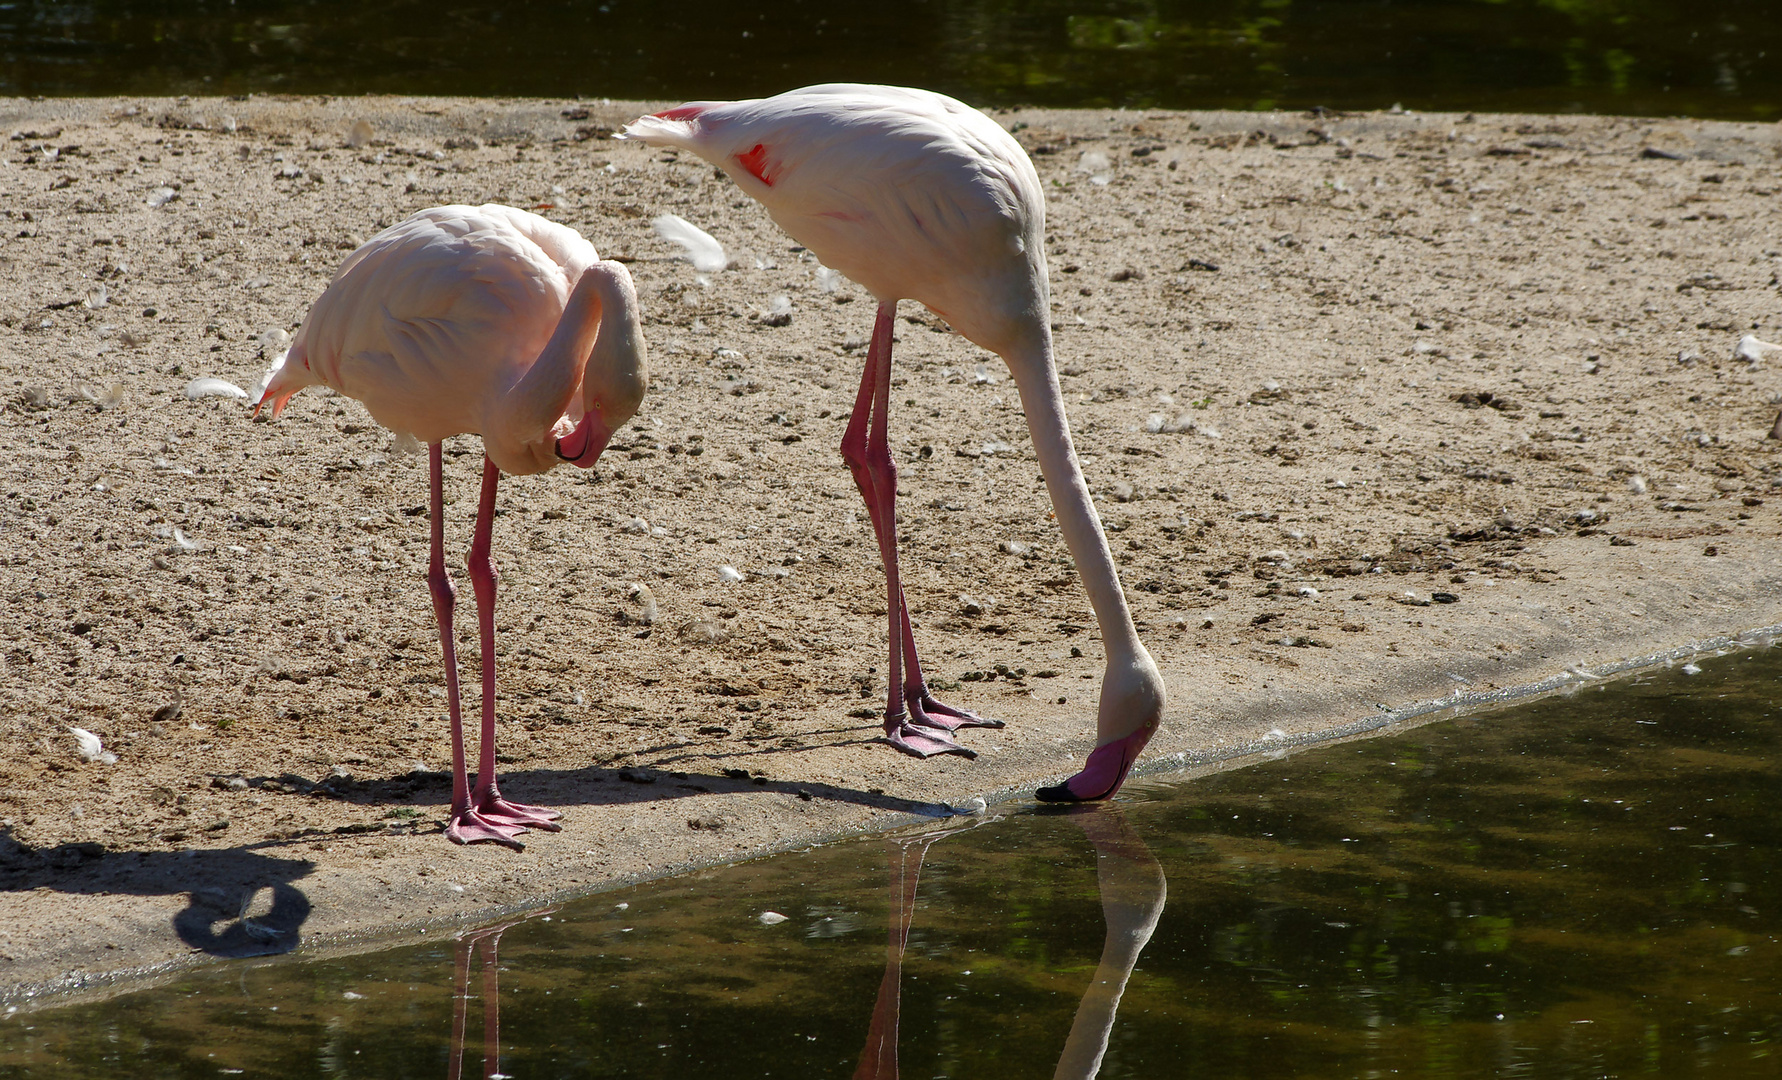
646,599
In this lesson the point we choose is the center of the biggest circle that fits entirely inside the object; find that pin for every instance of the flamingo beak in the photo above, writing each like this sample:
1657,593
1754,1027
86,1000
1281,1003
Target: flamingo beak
582,446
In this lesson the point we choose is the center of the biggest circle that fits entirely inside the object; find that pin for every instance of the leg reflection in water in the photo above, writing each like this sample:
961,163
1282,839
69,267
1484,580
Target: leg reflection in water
1133,891
486,940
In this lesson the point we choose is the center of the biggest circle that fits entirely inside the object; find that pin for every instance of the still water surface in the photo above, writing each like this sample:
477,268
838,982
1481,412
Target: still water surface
1711,58
1585,886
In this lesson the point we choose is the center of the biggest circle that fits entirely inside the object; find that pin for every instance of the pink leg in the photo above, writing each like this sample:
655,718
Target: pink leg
867,450
464,825
926,710
485,798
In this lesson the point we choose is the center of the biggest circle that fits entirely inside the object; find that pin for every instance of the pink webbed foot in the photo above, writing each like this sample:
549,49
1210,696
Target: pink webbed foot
926,710
1104,772
469,827
493,808
924,742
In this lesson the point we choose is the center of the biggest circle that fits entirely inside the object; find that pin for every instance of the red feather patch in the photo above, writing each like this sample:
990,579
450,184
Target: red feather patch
755,161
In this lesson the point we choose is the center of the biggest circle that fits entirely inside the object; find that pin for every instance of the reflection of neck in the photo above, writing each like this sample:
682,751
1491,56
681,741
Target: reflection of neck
1132,895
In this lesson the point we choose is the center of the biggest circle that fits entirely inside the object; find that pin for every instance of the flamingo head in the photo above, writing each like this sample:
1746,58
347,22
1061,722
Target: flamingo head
583,445
617,371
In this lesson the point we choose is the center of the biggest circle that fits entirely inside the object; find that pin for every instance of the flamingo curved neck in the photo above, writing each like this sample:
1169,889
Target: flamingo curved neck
597,349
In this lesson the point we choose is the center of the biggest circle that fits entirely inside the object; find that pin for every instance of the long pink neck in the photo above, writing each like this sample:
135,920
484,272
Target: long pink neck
1043,402
542,395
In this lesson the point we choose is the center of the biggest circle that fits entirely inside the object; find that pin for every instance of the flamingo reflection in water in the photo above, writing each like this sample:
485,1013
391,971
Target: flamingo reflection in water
485,941
1133,891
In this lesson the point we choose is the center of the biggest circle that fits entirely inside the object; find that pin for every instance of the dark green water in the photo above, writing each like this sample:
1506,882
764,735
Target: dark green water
1710,58
1582,887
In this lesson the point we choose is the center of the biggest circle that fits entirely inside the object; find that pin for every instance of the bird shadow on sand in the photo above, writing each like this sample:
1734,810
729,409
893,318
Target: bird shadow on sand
594,785
238,901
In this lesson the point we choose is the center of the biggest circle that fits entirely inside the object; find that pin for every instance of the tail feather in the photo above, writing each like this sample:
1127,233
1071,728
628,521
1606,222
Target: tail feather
676,127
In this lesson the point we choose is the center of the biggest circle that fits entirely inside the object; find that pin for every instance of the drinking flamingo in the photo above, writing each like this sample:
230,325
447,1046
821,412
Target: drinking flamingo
916,196
484,320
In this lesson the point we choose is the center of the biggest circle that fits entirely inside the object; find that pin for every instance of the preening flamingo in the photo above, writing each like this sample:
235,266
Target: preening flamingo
491,321
916,196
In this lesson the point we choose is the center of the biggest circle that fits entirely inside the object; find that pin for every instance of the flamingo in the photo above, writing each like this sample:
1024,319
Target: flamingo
485,320
917,196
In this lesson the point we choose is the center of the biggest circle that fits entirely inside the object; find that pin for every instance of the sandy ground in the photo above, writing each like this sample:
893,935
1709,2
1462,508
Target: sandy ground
1323,370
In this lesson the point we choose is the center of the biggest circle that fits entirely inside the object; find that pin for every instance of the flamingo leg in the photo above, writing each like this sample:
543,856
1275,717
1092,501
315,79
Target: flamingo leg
867,449
486,798
464,826
926,710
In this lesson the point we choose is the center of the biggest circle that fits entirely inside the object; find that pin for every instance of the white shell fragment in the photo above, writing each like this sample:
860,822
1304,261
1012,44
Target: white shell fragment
771,918
210,386
702,249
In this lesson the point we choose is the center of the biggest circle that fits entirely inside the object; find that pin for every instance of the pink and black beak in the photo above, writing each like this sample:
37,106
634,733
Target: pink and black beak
582,447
